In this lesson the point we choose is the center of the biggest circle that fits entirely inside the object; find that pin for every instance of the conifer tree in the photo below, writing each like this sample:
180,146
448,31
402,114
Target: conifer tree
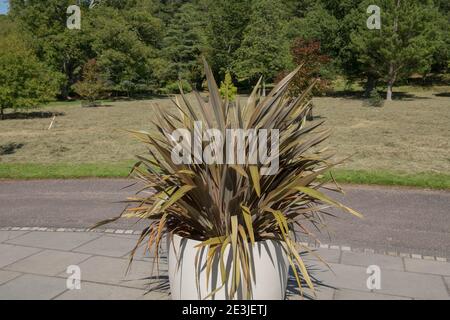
264,51
408,37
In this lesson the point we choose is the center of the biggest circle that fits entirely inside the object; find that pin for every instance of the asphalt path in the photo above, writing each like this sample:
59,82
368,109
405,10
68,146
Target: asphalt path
396,219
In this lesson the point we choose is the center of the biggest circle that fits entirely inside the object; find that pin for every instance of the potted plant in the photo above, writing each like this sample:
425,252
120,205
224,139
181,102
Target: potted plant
231,227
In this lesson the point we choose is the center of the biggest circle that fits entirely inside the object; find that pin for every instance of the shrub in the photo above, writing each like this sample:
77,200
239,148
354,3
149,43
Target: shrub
92,87
307,53
24,81
227,88
232,206
174,87
375,99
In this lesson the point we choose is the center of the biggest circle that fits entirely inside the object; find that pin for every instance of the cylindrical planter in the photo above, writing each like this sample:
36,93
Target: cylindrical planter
270,267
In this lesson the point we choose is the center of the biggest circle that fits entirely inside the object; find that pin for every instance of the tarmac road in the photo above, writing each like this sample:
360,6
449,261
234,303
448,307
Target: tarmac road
396,219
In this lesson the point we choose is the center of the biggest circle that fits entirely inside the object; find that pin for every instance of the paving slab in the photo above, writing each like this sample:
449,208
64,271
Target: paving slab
346,294
32,271
32,287
322,293
341,276
95,291
10,253
124,236
329,255
113,271
447,281
415,285
143,254
48,262
9,235
366,260
108,246
116,245
6,276
426,266
155,296
54,240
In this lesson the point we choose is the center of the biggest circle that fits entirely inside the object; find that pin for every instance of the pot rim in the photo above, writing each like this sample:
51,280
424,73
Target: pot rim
199,242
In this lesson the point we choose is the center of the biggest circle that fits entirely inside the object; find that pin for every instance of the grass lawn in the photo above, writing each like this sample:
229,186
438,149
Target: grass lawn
406,142
121,170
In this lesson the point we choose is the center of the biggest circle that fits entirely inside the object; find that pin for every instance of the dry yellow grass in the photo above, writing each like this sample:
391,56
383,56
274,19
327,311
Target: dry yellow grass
411,135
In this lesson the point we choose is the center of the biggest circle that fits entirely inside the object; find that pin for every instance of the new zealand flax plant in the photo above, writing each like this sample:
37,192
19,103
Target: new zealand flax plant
225,205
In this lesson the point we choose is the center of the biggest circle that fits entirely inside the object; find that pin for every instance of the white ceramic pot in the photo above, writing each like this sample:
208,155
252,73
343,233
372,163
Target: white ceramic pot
271,268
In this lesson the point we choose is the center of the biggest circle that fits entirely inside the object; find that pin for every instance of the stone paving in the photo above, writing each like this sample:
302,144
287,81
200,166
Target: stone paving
33,265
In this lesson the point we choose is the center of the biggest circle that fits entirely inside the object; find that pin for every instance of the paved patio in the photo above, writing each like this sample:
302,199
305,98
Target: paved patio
33,265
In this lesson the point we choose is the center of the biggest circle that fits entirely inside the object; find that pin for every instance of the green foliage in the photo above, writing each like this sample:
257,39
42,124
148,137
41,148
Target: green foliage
174,87
121,54
122,36
227,89
43,25
92,86
375,99
227,20
25,82
317,25
144,45
264,51
141,16
184,43
405,44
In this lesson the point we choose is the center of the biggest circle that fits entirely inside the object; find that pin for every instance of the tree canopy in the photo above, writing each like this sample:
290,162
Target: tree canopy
25,81
409,36
146,46
264,50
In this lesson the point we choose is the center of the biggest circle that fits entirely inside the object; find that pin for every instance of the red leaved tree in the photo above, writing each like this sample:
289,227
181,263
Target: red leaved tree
308,54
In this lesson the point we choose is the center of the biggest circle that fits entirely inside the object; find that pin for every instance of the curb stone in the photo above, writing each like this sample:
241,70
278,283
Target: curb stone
310,245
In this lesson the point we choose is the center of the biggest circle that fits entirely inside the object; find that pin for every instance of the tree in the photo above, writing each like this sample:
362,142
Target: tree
142,17
92,87
264,51
316,24
405,43
307,53
25,82
441,56
227,20
184,44
227,89
122,35
126,61
43,23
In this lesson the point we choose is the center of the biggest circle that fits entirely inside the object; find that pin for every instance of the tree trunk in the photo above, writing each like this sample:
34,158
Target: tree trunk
65,89
2,115
389,92
391,81
370,85
392,68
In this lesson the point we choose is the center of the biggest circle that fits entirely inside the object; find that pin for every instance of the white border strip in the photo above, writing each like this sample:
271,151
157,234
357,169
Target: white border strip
310,245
